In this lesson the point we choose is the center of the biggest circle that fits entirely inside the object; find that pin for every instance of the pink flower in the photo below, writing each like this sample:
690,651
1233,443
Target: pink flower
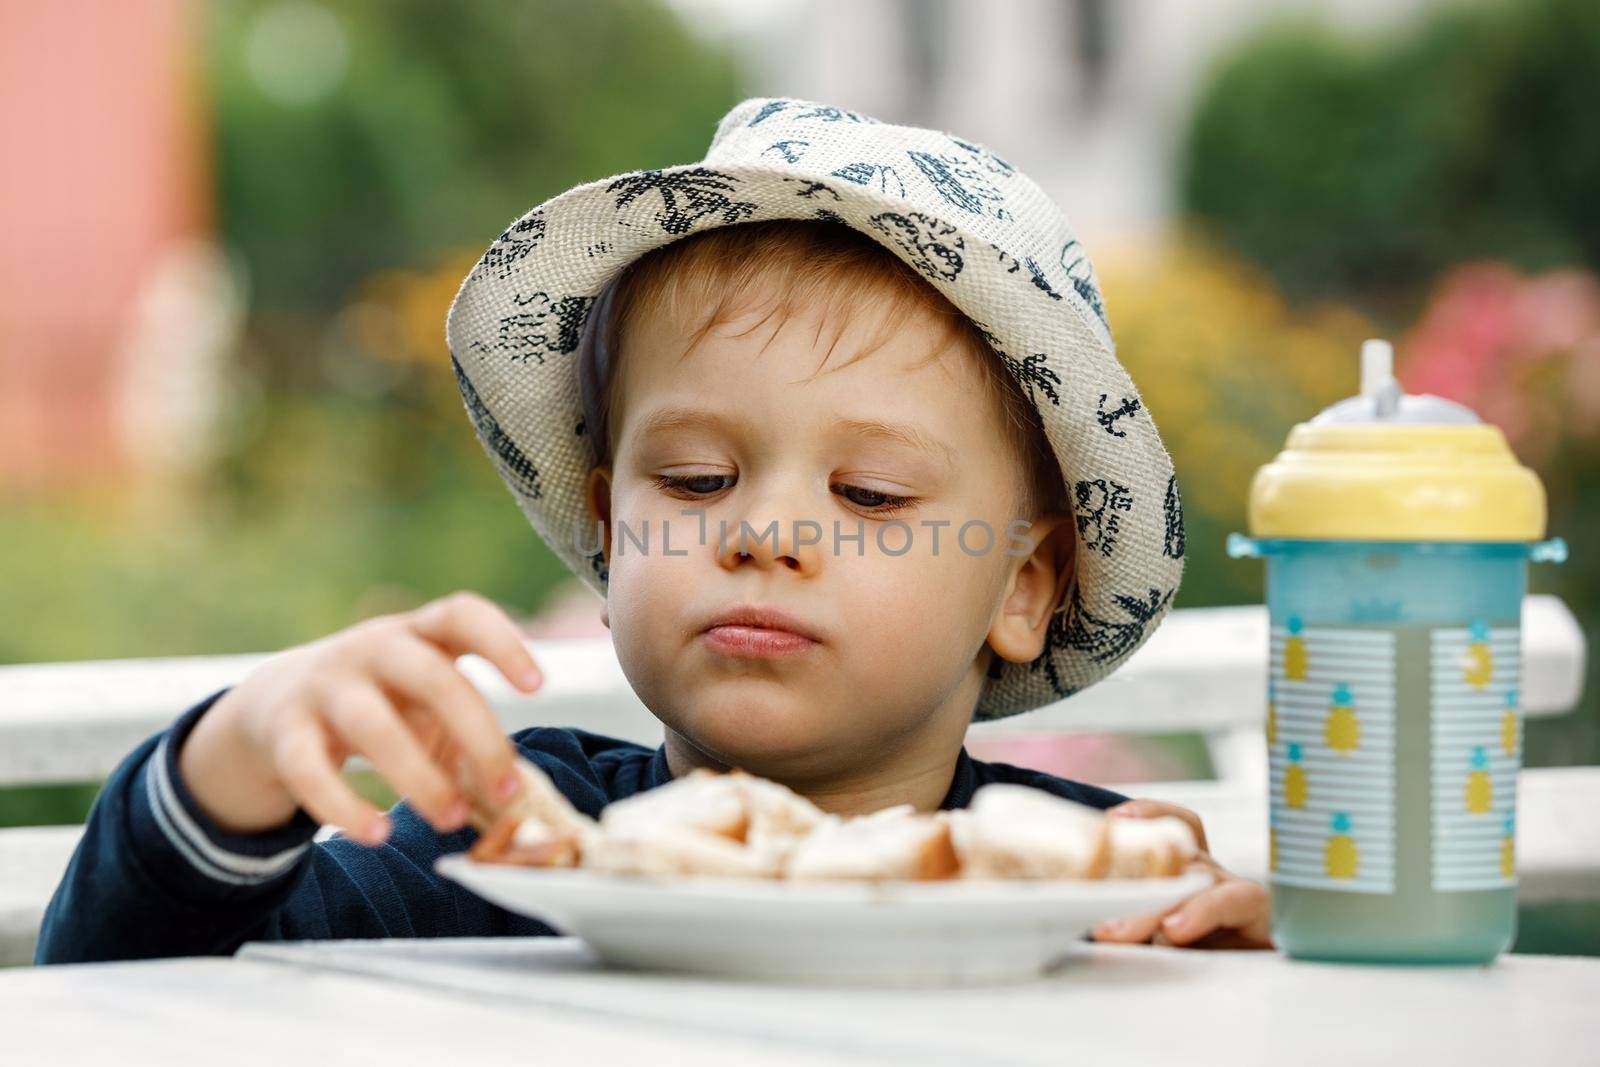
1519,351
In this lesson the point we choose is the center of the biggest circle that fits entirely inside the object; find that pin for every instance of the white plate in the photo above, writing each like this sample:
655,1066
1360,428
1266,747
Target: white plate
927,932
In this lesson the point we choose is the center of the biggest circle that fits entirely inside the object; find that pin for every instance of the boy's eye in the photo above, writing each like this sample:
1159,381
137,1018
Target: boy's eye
705,484
694,483
871,499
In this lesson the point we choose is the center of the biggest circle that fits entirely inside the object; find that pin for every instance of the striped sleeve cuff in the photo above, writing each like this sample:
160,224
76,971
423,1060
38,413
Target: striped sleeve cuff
219,855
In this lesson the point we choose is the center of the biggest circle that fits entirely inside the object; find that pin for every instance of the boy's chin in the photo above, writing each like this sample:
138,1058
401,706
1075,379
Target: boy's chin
770,738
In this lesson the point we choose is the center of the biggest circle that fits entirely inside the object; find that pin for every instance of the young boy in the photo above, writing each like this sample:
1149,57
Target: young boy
833,422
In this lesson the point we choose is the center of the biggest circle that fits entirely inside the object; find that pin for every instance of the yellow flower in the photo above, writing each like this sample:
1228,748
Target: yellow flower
1223,364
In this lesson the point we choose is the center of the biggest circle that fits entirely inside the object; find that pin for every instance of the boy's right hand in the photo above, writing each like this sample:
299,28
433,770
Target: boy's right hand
388,689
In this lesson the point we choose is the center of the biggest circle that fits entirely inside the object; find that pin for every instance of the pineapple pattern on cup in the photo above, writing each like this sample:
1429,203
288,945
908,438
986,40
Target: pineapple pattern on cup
1294,651
1476,740
1508,724
1331,733
1480,790
1295,788
1340,858
1342,730
1478,668
1508,848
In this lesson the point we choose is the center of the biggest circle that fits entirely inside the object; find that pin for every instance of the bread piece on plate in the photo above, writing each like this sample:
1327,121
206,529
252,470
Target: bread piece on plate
1150,848
700,800
779,818
672,849
539,799
526,842
699,824
538,827
1014,831
896,843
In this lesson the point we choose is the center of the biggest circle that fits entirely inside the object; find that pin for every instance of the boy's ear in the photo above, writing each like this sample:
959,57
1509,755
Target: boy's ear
1036,588
597,495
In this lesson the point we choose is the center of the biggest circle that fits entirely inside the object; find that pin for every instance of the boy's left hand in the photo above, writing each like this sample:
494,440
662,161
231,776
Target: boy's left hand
1232,913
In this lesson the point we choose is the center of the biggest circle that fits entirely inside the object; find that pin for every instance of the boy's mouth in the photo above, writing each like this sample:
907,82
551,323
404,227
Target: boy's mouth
756,631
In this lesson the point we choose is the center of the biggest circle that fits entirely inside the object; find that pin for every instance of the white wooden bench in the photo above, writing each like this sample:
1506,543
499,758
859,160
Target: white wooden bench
1204,670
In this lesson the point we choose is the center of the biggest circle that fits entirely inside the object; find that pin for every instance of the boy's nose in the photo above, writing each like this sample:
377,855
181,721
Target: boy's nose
773,542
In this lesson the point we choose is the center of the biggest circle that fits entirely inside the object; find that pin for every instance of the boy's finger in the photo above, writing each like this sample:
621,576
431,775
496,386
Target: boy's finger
1135,930
432,735
363,716
1235,904
466,623
420,672
1143,808
313,780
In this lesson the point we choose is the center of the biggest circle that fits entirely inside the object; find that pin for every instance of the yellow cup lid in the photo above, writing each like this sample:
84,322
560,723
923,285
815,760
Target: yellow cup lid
1385,466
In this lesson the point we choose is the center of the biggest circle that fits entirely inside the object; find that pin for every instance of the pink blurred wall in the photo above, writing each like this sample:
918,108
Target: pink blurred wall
103,161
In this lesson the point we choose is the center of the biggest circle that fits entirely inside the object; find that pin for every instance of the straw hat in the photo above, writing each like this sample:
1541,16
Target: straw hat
981,232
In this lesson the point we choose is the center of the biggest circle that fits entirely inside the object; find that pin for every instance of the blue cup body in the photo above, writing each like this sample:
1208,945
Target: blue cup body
1395,739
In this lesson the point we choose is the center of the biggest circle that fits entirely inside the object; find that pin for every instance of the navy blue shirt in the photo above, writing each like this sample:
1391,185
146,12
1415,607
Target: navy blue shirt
154,876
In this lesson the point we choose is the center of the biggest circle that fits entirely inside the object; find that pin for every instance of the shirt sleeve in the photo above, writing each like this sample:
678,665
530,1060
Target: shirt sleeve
154,876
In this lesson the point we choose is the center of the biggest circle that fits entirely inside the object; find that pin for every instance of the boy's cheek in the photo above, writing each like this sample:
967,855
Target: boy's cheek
648,608
895,621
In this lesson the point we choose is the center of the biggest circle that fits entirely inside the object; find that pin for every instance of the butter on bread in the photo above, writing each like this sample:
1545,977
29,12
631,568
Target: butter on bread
1015,831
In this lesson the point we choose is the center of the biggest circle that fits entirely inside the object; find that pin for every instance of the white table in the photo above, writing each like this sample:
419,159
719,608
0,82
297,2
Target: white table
545,1000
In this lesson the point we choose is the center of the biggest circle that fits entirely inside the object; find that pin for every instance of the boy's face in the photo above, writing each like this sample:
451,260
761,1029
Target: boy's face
889,661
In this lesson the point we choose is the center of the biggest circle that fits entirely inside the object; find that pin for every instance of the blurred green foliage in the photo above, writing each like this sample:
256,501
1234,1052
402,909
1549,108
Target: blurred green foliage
347,480
1363,166
1226,367
449,121
303,529
1362,169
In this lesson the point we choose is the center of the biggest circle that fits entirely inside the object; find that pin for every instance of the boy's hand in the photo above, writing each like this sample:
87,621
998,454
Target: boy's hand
1233,913
388,689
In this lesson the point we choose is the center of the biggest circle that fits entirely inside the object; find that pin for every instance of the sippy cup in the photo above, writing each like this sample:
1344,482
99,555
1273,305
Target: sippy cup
1397,531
